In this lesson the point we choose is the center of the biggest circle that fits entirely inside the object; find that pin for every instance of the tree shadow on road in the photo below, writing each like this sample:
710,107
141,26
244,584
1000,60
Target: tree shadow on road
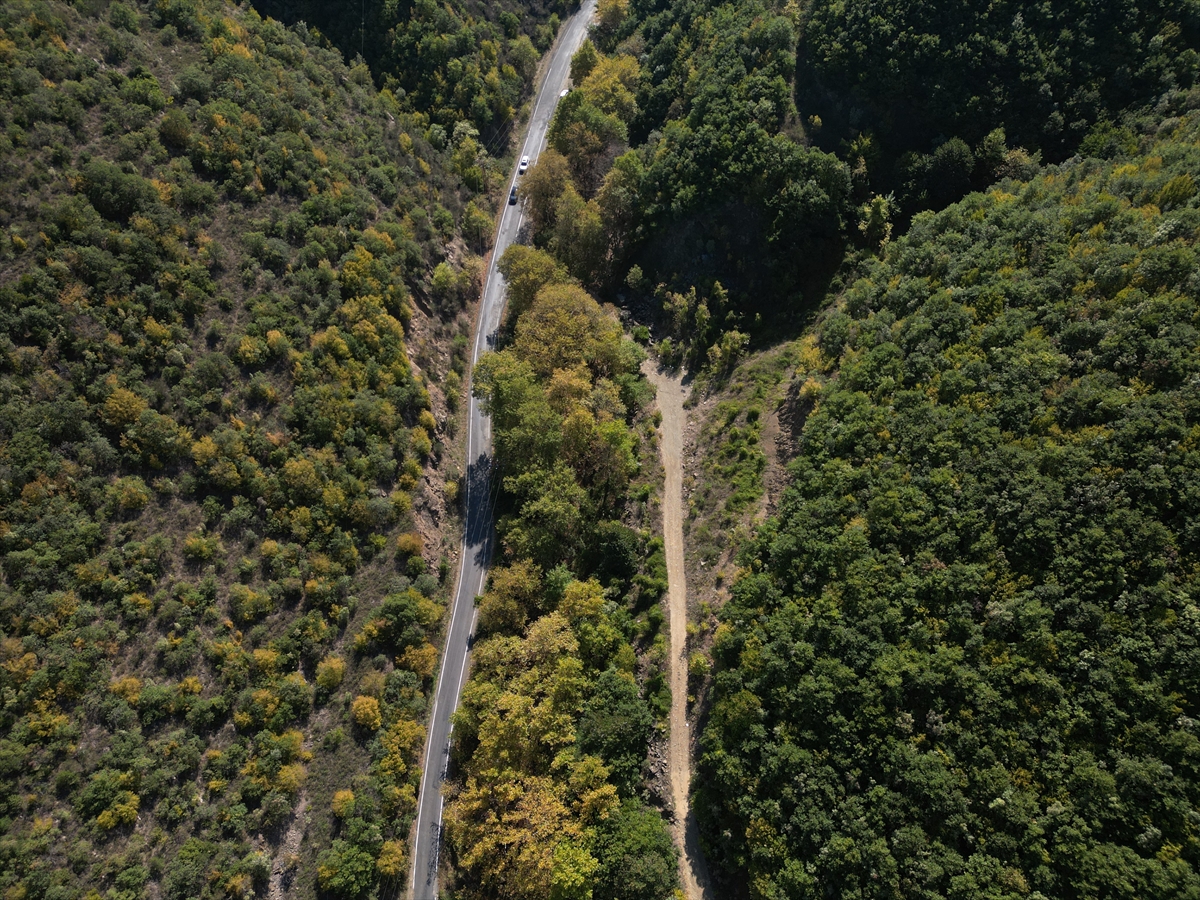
479,534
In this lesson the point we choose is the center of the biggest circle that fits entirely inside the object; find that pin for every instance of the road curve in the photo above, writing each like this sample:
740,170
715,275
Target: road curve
477,535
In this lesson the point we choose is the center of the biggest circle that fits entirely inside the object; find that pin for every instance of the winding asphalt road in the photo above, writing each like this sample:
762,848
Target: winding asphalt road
478,535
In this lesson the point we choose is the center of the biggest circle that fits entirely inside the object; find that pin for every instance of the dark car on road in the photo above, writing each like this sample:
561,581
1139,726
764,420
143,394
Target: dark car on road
512,196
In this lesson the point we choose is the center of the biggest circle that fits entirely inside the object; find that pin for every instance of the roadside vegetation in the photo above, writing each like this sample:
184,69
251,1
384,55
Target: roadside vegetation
568,670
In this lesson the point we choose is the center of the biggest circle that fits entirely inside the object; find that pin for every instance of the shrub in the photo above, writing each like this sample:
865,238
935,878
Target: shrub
291,778
421,660
175,130
1177,191
143,90
410,543
124,811
128,689
199,547
113,193
330,672
123,17
421,443
182,14
247,606
250,351
277,343
137,606
345,871
130,494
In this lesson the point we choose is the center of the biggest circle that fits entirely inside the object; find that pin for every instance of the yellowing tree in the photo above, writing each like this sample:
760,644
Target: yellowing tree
512,597
506,832
128,689
291,779
343,803
123,811
571,877
612,86
123,407
330,672
565,327
392,860
420,659
302,479
542,186
526,271
611,13
366,714
569,389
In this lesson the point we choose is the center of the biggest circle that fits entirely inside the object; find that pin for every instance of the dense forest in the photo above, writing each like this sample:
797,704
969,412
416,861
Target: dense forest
962,660
916,92
225,259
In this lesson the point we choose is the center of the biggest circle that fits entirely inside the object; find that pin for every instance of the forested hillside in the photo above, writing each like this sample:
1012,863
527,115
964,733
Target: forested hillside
235,274
731,191
712,187
463,61
962,661
220,493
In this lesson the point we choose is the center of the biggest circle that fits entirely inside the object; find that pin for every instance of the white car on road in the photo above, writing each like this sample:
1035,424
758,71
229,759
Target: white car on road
523,165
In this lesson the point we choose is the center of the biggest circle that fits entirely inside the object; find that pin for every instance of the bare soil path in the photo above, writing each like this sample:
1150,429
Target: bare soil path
693,872
283,866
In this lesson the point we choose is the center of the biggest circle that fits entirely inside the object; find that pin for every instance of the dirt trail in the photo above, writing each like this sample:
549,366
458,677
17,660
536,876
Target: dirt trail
693,871
283,867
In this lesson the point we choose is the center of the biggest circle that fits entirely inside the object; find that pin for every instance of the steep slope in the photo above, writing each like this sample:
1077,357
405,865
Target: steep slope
962,660
750,144
220,506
